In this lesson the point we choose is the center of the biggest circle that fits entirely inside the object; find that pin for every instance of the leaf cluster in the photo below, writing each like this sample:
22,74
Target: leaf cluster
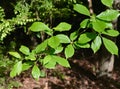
40,14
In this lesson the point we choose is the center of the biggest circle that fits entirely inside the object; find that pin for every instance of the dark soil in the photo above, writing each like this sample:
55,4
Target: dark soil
79,76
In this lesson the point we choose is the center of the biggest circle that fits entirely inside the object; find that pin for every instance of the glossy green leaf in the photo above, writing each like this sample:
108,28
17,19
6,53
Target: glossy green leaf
31,57
99,25
35,72
84,23
63,38
108,15
112,33
53,42
26,66
108,3
50,65
58,49
39,26
61,61
41,47
110,46
86,45
25,50
63,26
81,9
15,54
96,44
47,59
74,35
49,62
17,69
86,37
69,51
109,25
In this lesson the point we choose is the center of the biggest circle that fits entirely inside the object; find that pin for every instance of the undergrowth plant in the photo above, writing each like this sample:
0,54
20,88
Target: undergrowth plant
45,54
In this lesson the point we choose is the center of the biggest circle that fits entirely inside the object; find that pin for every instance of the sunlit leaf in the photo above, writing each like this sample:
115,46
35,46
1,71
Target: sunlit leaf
35,72
108,3
61,61
53,42
113,33
41,47
63,26
69,51
63,38
108,15
84,23
86,37
58,49
47,59
85,45
31,57
81,9
49,62
26,66
50,65
110,46
39,26
25,50
15,54
99,25
17,69
96,44
74,35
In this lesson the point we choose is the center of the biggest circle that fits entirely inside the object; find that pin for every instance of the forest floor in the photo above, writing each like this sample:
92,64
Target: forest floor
79,76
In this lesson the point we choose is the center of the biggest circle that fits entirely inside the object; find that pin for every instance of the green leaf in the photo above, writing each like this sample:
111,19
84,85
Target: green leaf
41,47
47,59
108,15
84,23
50,65
25,50
63,26
111,32
26,66
51,60
107,2
35,72
74,35
15,54
42,74
48,62
31,57
110,46
96,44
39,26
85,45
58,49
17,69
61,61
69,51
86,37
99,25
81,9
109,25
53,42
63,38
